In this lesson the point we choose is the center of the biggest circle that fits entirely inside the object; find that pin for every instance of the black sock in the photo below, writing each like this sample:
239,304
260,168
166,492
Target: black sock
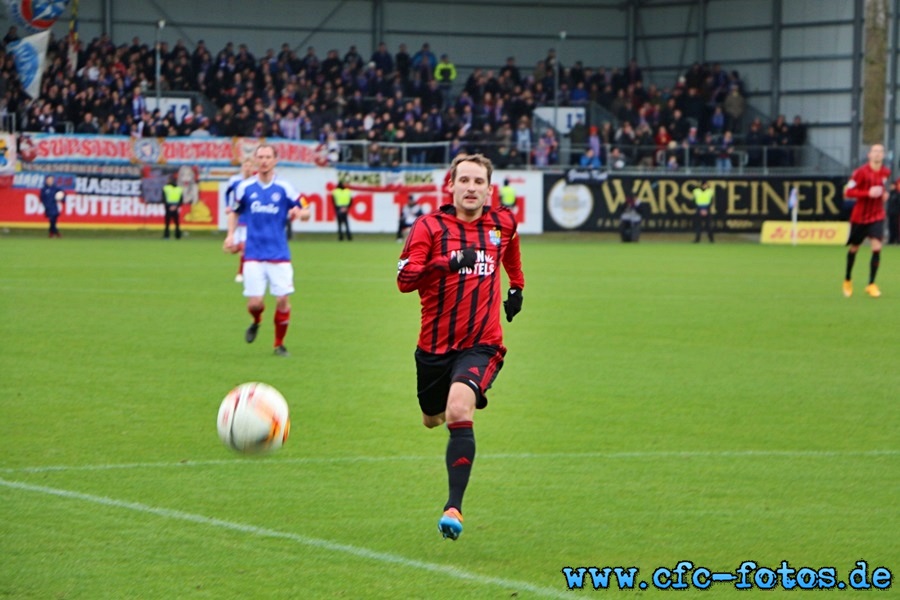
460,456
873,265
851,256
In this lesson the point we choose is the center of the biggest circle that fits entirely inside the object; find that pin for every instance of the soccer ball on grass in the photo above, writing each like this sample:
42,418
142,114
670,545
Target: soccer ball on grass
253,418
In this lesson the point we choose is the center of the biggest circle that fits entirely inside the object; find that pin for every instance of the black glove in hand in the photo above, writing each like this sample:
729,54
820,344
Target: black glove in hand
462,258
513,303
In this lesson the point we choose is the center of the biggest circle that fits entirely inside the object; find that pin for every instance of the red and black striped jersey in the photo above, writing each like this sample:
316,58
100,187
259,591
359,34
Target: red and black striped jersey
866,209
460,310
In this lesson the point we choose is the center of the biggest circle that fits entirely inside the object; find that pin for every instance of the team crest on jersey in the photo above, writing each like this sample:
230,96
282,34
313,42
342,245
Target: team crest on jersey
276,197
495,237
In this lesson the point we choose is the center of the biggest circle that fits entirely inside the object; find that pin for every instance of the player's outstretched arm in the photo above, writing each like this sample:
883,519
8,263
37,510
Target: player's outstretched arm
856,189
462,259
512,263
299,213
228,244
417,263
513,303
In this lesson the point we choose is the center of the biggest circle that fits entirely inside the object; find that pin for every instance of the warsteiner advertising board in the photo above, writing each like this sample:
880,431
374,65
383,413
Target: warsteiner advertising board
584,200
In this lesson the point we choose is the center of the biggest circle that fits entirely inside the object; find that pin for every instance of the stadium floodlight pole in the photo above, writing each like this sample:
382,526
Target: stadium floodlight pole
160,25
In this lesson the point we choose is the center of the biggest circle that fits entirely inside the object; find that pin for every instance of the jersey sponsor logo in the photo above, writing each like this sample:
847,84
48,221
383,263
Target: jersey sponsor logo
259,207
484,265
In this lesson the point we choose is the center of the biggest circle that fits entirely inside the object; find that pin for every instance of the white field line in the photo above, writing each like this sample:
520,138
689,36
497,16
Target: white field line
357,551
715,454
372,554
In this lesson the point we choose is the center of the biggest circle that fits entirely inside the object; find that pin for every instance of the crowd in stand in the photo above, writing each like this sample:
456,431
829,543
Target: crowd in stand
389,98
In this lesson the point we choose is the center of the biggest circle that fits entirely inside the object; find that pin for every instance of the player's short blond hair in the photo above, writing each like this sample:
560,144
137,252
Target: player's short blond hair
478,159
264,145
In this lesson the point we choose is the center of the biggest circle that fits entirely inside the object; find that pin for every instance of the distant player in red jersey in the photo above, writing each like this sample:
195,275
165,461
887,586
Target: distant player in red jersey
452,257
869,187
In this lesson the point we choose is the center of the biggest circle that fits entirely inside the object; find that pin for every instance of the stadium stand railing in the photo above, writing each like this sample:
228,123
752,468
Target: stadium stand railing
8,123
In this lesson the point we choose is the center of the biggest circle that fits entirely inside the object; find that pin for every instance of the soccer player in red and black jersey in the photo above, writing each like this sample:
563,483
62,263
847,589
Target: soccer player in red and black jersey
452,257
869,187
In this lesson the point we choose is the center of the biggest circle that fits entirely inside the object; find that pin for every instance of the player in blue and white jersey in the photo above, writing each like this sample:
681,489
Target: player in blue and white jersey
266,203
240,233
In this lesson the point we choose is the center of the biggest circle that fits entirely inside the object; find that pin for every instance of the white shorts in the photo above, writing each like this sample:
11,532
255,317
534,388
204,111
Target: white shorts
278,275
240,234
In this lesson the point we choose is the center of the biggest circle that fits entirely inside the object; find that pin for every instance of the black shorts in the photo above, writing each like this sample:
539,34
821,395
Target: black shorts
477,367
860,231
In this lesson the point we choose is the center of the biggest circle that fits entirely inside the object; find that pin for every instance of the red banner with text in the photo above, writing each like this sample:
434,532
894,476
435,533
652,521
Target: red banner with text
21,207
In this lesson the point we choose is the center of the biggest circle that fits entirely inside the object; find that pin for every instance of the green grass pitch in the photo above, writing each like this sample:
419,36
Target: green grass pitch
660,402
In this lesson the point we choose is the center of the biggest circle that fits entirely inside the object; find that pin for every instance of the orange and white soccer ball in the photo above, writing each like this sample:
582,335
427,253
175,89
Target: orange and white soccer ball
254,418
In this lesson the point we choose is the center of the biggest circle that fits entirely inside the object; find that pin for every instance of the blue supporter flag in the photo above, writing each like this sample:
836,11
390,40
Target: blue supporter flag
32,16
29,54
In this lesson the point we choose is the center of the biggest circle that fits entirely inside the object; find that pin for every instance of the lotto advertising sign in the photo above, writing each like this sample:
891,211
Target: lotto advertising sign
378,196
586,200
820,233
95,202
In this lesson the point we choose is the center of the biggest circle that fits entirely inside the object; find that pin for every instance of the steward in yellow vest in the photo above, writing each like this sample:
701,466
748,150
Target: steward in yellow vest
172,194
508,196
342,199
703,200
